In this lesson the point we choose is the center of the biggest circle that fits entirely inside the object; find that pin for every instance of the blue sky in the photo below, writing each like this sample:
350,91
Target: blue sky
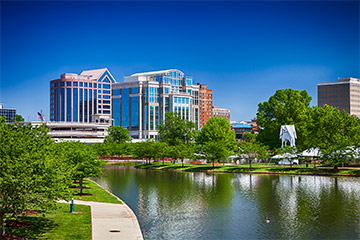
242,50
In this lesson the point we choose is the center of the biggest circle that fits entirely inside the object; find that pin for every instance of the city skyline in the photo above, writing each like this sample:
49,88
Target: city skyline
243,51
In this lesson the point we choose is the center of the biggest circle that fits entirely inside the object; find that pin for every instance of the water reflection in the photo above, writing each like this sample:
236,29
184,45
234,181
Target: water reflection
177,205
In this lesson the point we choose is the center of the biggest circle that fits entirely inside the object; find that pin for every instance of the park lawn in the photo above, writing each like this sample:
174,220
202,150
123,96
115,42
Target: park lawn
98,193
57,224
256,168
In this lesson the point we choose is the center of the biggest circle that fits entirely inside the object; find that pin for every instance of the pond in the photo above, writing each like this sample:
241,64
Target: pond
199,205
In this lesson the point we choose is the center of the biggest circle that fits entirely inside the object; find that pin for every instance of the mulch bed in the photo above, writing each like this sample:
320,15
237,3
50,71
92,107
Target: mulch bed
18,223
15,237
84,194
30,212
78,187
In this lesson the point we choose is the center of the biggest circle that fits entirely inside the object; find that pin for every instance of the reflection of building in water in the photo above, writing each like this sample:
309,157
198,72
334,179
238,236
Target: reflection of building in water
247,182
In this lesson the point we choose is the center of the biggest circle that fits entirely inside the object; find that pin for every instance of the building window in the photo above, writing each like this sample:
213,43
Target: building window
75,84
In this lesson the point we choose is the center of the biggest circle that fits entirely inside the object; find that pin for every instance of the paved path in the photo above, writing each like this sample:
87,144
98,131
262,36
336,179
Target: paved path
107,217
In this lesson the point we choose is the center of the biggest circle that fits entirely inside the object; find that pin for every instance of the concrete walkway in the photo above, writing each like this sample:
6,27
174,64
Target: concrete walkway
112,221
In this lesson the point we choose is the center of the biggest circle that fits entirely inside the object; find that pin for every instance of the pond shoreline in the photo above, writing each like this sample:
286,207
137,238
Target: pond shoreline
244,170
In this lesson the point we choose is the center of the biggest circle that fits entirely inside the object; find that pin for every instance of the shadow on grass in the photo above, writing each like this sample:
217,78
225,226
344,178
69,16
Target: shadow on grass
40,226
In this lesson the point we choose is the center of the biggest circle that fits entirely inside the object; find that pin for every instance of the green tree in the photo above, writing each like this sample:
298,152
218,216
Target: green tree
182,151
251,150
335,132
285,107
81,159
216,139
176,130
19,118
30,175
117,134
144,150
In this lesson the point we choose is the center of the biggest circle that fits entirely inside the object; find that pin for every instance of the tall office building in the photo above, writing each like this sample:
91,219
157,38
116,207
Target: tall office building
205,104
8,113
221,112
343,94
142,100
78,98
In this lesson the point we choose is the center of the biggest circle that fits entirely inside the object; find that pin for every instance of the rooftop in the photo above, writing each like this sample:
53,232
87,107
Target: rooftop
156,72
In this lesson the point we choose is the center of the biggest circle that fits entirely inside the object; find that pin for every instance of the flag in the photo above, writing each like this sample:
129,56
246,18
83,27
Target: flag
40,116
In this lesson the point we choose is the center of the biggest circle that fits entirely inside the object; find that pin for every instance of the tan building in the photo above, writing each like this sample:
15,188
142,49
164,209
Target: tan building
205,104
221,112
344,94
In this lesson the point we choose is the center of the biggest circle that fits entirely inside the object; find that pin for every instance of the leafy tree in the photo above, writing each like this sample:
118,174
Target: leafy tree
251,150
182,151
81,159
144,150
117,134
216,139
19,118
112,149
285,107
334,132
248,136
30,175
176,130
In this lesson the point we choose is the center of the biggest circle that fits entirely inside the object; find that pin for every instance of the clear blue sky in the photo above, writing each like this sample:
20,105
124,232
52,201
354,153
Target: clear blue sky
243,50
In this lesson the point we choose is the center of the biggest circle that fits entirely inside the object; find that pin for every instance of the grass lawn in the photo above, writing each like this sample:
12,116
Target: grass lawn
256,168
98,193
57,224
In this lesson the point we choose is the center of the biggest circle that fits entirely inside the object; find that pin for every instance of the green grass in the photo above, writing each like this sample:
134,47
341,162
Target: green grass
131,164
256,168
57,224
98,194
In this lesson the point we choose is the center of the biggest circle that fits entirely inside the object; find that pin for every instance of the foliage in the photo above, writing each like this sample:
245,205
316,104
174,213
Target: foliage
285,107
252,150
248,136
30,175
112,149
182,151
19,118
117,134
335,132
216,139
144,150
176,130
81,159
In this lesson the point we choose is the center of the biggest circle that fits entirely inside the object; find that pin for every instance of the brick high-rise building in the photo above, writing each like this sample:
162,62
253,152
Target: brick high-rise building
221,112
343,94
205,104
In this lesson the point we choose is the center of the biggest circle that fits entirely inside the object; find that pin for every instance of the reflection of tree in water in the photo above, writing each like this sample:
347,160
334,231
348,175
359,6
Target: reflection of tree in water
308,207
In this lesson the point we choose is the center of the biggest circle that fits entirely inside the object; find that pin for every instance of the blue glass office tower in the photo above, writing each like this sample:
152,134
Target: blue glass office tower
142,100
78,98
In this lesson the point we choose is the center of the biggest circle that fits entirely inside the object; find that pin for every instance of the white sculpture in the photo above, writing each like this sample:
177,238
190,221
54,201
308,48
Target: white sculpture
288,135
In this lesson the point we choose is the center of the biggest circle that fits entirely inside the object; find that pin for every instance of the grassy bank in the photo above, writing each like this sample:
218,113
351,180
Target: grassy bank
60,223
56,224
95,193
256,168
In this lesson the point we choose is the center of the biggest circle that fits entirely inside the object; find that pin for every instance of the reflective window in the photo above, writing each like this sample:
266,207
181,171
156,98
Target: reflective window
106,91
62,83
134,90
90,84
81,105
106,102
106,96
106,86
68,83
135,113
116,92
85,84
51,85
80,84
125,108
116,111
94,85
68,104
75,84
75,104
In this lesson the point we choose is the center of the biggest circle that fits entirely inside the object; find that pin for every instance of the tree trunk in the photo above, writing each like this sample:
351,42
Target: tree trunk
2,227
182,162
163,161
81,186
250,163
213,163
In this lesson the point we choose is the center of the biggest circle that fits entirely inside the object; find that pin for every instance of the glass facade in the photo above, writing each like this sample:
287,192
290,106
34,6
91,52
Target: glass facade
125,108
135,113
75,104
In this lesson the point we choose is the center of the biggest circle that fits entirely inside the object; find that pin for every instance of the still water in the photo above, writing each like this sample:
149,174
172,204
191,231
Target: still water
178,205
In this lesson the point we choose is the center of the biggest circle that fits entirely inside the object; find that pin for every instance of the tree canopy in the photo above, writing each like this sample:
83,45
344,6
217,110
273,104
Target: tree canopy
176,130
30,173
285,107
216,139
117,134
